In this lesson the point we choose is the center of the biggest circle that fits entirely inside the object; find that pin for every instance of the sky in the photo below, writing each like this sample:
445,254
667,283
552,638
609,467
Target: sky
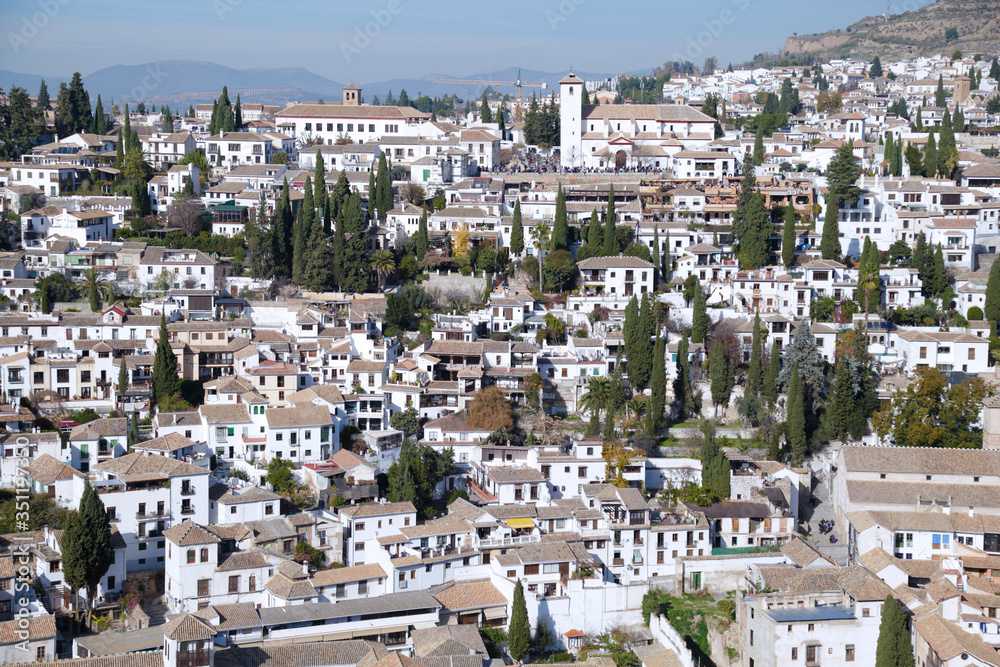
375,40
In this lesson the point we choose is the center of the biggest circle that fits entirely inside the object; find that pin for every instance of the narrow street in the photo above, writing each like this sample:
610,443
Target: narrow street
824,511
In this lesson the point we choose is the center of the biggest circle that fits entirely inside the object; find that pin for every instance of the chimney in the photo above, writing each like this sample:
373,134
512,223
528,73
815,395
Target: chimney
305,567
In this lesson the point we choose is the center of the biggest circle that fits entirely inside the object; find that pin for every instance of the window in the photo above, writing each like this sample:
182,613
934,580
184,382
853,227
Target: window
531,569
849,653
550,568
252,585
511,574
341,591
363,587
795,653
359,526
190,556
204,554
203,585
234,583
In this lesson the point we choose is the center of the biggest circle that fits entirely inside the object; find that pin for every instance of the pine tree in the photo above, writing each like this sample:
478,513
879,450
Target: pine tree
319,182
758,149
699,320
165,382
769,388
830,241
876,68
894,648
656,257
840,407
657,387
422,243
788,237
519,633
940,96
755,372
991,308
720,376
560,227
45,104
756,239
88,551
516,232
841,175
803,354
611,248
795,426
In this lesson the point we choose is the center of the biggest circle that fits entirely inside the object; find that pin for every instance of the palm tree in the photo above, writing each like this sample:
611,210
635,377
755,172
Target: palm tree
597,396
384,263
540,237
98,290
636,407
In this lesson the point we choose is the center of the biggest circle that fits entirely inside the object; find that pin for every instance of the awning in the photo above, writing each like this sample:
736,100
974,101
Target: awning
520,523
637,556
382,631
495,612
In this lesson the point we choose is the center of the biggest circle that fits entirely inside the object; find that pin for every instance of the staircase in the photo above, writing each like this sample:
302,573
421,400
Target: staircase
157,614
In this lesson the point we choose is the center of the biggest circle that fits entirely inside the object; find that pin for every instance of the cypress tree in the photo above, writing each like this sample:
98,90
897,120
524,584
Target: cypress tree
699,320
889,153
720,376
339,195
940,96
894,648
958,124
319,182
876,68
165,382
238,122
631,332
919,256
795,426
938,278
99,120
611,248
485,113
755,373
357,269
840,408
755,242
339,252
991,308
87,548
657,387
788,237
133,431
519,634
501,126
386,202
119,152
560,228
641,359
656,257
303,228
930,157
918,123
758,149
830,241
422,241
45,104
281,232
372,194
595,235
123,383
516,232
748,187
994,70
316,273
769,388
947,151
683,392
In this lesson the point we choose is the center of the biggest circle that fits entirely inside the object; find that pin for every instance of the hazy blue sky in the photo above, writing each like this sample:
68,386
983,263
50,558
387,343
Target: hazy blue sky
419,36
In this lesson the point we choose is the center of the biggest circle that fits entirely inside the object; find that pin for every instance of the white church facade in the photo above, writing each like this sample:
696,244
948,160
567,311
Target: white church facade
626,136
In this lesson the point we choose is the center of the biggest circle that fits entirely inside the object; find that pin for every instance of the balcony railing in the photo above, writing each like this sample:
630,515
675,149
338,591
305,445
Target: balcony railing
489,542
617,562
187,510
187,491
159,514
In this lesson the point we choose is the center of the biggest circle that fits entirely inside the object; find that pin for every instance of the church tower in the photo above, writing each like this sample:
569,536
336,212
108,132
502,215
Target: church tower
570,121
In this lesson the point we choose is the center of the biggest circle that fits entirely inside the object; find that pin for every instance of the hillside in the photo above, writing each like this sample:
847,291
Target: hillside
914,33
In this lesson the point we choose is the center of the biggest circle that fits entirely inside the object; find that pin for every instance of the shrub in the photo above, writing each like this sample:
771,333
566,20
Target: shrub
975,313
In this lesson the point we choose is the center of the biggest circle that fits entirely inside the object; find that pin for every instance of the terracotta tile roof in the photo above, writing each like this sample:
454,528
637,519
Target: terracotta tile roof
47,469
242,560
39,628
187,628
311,654
343,575
189,534
376,509
238,616
151,659
138,464
306,415
947,640
170,442
470,595
921,460
249,495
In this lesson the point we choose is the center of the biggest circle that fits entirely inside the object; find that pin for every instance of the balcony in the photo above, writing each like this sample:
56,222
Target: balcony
187,510
15,379
187,491
617,562
491,542
159,514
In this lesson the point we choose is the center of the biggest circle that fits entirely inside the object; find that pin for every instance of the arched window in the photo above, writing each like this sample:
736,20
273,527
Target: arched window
204,554
571,89
190,556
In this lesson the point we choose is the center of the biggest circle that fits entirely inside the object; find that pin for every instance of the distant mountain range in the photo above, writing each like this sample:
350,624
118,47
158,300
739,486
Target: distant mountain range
183,82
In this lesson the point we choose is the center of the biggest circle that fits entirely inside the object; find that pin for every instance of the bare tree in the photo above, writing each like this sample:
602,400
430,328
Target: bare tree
185,214
413,193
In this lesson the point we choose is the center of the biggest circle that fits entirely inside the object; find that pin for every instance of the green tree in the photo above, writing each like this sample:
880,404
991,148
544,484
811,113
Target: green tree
255,232
758,149
43,102
937,277
407,421
894,648
97,291
516,232
714,464
700,322
756,238
319,183
280,477
165,381
611,247
87,548
123,380
485,113
100,121
769,388
875,71
656,257
560,227
803,355
422,242
658,388
788,237
869,280
317,273
357,268
947,157
795,426
540,238
281,234
842,174
302,229
720,375
829,243
755,372
940,96
683,391
840,408
991,308
931,157
519,632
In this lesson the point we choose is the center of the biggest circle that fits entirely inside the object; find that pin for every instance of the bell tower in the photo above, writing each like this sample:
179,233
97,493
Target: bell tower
570,121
